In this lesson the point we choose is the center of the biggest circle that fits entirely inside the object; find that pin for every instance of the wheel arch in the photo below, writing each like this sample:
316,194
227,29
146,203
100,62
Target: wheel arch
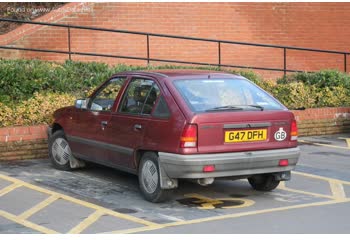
138,155
56,127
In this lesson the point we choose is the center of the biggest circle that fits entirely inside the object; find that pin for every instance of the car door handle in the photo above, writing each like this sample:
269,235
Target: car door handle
137,127
104,124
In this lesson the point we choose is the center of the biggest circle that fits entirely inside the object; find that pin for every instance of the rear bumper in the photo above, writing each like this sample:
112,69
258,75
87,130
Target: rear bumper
227,164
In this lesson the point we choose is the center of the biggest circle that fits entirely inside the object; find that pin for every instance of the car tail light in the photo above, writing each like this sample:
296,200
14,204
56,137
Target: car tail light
294,131
283,162
189,136
209,168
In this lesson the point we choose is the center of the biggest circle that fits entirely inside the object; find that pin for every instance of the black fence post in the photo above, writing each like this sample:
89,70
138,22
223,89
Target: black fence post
345,62
147,48
69,47
284,62
219,54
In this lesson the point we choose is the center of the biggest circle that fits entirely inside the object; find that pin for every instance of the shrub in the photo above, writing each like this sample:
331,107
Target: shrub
36,110
321,79
30,90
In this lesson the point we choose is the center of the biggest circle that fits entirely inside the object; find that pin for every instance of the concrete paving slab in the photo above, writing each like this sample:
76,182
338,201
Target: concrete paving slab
61,215
109,223
9,227
347,190
20,200
4,183
309,184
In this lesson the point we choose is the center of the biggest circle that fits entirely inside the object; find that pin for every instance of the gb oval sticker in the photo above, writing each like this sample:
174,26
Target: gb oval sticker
280,135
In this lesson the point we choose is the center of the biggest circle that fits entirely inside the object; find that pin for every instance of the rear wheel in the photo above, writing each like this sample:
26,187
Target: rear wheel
59,151
265,182
149,179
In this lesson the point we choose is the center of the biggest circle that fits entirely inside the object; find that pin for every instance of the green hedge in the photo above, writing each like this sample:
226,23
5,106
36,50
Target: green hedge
25,84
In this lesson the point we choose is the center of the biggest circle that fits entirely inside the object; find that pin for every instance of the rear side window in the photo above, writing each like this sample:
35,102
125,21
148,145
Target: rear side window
140,97
161,110
225,94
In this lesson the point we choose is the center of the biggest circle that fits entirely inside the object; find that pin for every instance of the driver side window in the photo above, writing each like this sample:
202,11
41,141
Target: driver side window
105,97
140,97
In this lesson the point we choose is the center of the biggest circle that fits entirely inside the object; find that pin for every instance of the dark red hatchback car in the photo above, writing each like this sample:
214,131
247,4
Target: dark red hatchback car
170,125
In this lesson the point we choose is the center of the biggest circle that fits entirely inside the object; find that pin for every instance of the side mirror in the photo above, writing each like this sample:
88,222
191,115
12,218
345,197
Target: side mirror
81,103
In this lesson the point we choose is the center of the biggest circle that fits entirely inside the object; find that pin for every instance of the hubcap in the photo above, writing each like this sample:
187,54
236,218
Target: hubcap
61,152
149,176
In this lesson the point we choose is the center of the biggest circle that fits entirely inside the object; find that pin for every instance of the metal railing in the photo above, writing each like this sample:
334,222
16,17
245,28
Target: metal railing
69,51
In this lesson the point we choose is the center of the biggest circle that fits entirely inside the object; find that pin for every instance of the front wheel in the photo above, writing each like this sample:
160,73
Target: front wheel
265,182
149,179
59,151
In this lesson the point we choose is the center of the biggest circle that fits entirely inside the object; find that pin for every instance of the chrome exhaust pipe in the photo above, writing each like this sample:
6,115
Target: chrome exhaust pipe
205,181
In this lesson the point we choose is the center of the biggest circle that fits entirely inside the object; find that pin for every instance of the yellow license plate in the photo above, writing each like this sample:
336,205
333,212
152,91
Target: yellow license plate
245,135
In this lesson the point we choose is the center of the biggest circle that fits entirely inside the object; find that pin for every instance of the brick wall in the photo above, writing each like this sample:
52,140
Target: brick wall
313,25
31,142
320,121
18,143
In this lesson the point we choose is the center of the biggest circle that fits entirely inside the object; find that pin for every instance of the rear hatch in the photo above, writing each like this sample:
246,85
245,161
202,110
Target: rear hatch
244,131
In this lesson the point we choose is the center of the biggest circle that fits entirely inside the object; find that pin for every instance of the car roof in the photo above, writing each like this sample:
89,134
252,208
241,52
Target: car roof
181,73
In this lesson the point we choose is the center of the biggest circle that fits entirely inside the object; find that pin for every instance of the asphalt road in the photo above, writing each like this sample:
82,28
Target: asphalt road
35,198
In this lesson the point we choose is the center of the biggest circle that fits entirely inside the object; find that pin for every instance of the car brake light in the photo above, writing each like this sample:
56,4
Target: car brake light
209,168
189,136
283,162
294,131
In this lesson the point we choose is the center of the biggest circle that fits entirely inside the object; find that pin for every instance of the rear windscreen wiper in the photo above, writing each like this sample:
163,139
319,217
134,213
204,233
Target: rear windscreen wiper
234,108
257,106
225,108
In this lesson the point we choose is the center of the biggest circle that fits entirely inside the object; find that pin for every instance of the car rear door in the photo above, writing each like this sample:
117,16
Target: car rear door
129,123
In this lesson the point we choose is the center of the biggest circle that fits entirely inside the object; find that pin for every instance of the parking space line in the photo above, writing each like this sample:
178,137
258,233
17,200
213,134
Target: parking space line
338,196
322,144
136,230
347,141
337,190
38,207
306,193
87,222
26,223
9,188
79,202
236,215
320,177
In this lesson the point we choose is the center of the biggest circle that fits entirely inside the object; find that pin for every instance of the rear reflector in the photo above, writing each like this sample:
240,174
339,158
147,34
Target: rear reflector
209,168
294,131
189,136
283,163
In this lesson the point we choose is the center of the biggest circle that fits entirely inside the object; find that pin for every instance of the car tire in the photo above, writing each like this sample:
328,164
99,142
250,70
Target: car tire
149,179
59,151
265,182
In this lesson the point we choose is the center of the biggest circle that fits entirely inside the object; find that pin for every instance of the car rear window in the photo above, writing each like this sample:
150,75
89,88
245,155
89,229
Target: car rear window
204,95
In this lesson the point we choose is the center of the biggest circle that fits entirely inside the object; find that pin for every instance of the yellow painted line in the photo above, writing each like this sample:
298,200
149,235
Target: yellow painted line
320,177
337,190
87,222
26,223
243,214
322,144
9,188
135,230
307,193
38,207
282,184
347,141
80,202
